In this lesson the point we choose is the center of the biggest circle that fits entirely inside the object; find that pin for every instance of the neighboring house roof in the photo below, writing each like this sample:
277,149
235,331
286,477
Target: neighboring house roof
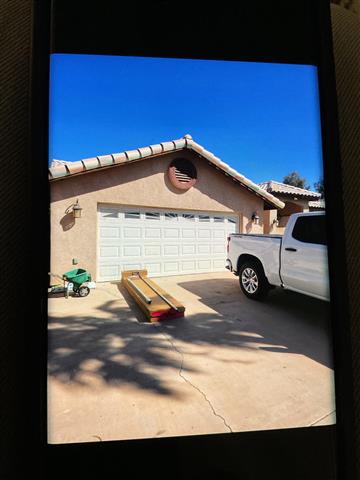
318,204
278,187
60,169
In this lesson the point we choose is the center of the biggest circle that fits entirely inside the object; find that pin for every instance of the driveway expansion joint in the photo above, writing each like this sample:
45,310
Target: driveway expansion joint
188,381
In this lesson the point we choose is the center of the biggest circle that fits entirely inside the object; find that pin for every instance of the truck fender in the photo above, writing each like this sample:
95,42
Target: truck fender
246,257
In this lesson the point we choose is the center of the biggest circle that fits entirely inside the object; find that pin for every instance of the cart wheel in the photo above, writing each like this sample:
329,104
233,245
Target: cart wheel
83,291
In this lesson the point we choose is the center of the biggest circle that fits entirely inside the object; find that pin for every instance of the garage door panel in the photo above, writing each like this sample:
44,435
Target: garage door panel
108,232
218,264
153,268
171,250
132,251
132,232
171,267
109,271
109,216
163,242
188,233
204,265
131,266
109,252
189,249
188,266
204,249
204,233
152,233
171,233
220,233
152,250
218,248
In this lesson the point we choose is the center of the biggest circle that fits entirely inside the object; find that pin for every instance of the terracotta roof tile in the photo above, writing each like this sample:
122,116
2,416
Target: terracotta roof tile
156,149
75,167
317,203
231,171
119,157
132,154
105,160
59,171
194,146
181,143
145,152
56,162
90,163
168,146
272,186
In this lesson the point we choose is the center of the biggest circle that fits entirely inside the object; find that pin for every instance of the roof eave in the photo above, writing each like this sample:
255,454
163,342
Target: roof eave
302,195
107,167
104,162
245,182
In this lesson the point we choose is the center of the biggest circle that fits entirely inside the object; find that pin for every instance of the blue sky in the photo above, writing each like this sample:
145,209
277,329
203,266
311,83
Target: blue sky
262,119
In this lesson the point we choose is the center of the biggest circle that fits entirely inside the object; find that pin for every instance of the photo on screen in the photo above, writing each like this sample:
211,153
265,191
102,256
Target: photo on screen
188,287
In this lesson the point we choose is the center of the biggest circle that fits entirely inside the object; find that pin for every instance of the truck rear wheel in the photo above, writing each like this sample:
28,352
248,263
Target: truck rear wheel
253,282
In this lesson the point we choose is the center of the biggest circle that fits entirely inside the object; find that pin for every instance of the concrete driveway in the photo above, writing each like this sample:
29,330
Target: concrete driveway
230,365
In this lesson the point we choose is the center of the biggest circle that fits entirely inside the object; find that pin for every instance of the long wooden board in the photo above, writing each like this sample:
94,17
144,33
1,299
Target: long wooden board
155,302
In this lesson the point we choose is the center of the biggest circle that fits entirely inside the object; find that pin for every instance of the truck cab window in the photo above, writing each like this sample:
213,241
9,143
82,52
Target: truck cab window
310,229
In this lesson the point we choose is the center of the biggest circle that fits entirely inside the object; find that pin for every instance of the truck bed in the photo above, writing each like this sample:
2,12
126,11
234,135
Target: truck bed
265,248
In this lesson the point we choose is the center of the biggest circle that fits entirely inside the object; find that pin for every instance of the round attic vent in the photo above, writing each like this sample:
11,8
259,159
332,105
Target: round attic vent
182,173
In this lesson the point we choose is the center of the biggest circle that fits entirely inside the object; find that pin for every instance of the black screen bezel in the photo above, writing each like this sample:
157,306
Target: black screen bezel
280,33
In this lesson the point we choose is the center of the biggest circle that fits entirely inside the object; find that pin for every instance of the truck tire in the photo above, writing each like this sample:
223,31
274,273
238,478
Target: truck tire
253,282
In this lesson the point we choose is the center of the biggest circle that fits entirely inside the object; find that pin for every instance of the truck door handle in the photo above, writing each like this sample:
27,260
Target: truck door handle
290,249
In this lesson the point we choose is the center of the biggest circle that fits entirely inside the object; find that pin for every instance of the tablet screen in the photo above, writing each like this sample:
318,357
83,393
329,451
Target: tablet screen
189,290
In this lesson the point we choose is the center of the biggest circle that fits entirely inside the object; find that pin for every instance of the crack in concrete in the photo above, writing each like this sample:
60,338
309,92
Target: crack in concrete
158,325
188,381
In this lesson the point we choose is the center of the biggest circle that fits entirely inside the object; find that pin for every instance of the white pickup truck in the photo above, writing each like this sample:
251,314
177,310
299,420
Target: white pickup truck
296,260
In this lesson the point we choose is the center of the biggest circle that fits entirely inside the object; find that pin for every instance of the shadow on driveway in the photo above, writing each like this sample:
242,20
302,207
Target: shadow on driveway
288,321
115,348
116,344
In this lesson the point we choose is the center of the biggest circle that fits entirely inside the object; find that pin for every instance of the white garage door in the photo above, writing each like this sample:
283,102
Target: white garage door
164,242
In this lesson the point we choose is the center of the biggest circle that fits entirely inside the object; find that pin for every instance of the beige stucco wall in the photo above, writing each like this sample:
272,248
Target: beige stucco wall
283,215
269,217
293,206
142,184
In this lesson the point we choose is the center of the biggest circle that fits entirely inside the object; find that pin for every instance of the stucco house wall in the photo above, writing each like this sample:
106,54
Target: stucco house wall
142,184
282,216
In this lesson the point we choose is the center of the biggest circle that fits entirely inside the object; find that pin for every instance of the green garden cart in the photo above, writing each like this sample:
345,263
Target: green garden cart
78,277
78,281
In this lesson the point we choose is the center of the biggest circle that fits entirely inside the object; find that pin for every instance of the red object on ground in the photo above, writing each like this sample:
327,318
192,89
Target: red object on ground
166,314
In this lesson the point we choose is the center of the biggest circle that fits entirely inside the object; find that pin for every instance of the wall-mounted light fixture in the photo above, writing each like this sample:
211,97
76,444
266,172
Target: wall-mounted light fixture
74,209
255,218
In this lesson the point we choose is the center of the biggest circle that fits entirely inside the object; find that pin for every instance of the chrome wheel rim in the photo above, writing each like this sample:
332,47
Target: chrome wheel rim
249,280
